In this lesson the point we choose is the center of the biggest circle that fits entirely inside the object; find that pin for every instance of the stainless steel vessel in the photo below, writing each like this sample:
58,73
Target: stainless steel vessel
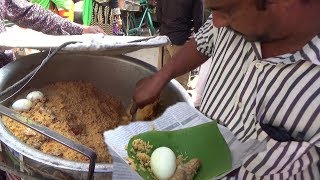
116,75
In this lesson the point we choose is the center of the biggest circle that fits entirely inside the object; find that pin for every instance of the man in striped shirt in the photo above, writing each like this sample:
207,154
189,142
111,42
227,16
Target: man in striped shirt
264,81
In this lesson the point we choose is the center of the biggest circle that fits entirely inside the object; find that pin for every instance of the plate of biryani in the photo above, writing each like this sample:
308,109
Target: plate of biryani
198,152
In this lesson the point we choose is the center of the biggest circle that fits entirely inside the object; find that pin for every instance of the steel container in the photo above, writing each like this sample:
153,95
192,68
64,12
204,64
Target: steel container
116,75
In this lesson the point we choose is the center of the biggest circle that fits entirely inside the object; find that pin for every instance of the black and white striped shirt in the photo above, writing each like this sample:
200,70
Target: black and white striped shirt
244,92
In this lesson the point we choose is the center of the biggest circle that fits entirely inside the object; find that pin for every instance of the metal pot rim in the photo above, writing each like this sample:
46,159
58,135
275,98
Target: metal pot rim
32,153
13,142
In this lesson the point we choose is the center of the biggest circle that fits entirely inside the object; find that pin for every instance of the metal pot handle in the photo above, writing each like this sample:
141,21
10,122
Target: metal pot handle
53,135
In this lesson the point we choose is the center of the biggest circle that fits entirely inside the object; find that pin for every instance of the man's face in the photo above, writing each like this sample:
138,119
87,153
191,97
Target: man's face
243,17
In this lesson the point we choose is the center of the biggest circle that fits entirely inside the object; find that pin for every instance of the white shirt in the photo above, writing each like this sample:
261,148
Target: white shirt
244,91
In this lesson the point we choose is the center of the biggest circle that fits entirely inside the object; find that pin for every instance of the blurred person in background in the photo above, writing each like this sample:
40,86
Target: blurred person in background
103,13
179,20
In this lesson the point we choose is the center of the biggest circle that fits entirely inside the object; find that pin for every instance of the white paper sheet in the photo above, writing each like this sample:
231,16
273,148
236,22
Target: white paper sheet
178,116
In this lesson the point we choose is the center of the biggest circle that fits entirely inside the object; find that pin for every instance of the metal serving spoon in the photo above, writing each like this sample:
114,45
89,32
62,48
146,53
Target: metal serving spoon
53,135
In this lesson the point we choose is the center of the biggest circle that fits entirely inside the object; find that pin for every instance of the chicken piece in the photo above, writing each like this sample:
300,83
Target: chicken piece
186,171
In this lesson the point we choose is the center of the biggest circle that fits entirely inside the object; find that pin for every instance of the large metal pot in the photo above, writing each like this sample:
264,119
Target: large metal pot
114,74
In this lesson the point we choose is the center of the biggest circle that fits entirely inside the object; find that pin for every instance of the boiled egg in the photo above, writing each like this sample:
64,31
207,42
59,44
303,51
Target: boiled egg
22,105
35,96
163,163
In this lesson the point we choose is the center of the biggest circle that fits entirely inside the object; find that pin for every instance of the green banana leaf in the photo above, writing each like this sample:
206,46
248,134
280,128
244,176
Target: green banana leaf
204,142
65,4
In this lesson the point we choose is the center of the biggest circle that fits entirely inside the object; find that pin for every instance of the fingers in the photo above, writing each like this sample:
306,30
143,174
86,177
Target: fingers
144,94
93,30
99,30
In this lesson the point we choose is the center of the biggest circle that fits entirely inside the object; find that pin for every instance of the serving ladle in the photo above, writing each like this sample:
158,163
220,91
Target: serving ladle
53,135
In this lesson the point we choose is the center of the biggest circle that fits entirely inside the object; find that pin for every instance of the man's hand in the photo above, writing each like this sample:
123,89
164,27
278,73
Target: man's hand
146,92
92,30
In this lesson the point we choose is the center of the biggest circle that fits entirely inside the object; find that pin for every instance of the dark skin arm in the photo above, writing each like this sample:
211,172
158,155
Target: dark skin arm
148,89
